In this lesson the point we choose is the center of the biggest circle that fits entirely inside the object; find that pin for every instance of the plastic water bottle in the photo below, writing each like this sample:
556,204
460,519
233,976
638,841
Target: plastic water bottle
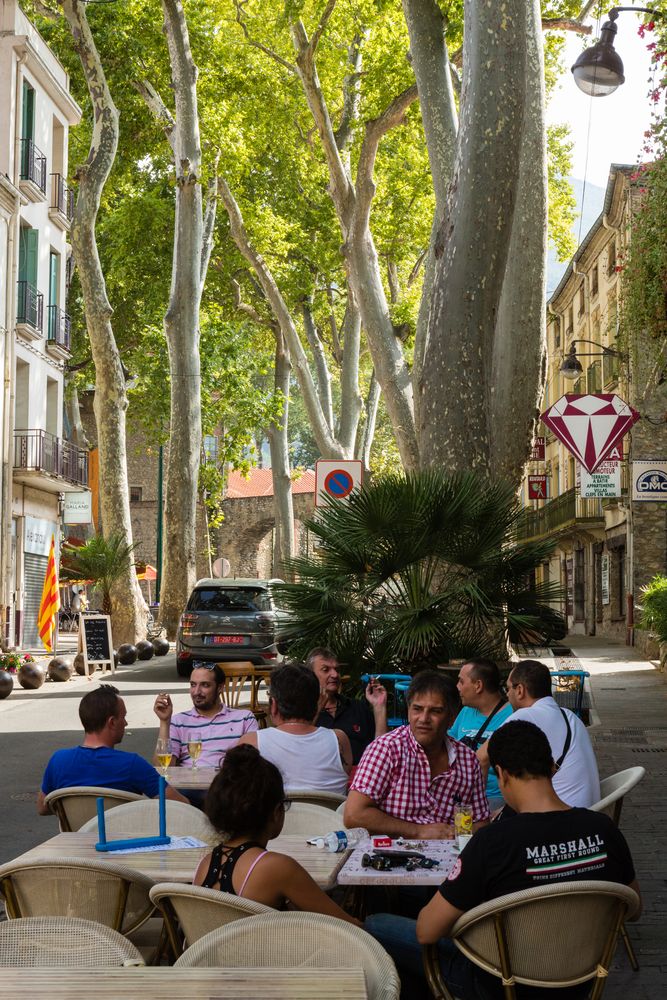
342,840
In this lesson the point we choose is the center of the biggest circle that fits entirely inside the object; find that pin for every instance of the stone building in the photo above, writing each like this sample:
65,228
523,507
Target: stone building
606,549
39,466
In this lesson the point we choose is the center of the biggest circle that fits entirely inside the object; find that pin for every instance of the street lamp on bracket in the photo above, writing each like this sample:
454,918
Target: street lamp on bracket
599,69
572,368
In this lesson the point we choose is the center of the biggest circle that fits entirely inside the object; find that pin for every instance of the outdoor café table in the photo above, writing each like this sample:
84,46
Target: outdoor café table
191,777
180,865
164,983
445,851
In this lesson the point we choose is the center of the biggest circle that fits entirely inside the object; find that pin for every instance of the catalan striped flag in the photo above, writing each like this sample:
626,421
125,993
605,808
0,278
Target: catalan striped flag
50,603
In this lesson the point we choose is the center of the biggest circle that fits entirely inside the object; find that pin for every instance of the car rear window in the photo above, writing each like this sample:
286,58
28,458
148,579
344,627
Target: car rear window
232,599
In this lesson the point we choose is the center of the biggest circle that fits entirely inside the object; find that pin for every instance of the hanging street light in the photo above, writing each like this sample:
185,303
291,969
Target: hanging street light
571,367
599,69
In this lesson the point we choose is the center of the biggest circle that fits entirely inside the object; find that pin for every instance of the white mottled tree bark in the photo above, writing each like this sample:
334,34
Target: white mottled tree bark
192,243
472,247
129,611
519,346
283,508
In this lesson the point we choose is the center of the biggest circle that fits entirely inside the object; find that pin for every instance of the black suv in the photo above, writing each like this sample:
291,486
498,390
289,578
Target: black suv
228,620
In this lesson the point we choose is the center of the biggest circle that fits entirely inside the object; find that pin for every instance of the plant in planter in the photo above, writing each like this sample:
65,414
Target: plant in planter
11,662
653,612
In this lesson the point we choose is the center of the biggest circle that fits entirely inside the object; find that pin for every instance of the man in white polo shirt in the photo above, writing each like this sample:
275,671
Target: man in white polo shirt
576,780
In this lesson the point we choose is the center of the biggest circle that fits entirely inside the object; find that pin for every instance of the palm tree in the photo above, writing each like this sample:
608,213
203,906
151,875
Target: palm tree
421,568
101,560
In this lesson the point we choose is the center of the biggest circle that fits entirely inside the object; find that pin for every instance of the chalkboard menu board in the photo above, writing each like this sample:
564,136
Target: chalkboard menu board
96,641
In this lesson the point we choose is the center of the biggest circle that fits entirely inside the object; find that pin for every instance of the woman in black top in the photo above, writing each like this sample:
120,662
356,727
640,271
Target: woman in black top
246,804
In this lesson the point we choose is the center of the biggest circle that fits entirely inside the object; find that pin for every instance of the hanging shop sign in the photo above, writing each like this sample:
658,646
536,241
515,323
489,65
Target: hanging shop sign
590,425
649,480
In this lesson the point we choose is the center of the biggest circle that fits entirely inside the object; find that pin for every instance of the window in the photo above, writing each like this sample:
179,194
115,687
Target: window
136,494
582,302
210,447
611,258
594,281
556,331
570,322
609,369
593,378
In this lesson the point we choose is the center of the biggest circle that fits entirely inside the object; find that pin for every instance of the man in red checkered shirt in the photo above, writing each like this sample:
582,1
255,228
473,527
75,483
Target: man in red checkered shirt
409,780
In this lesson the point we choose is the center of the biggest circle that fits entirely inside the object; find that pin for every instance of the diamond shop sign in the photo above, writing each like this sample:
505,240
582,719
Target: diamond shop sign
590,425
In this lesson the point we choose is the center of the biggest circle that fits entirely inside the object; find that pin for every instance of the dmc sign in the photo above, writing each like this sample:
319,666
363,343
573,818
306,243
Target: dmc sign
649,480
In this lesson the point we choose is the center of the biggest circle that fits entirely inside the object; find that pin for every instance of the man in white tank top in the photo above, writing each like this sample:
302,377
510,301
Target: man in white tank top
308,756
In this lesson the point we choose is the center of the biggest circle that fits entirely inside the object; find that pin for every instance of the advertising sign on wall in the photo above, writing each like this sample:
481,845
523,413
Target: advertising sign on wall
604,574
78,508
649,480
37,535
537,487
604,482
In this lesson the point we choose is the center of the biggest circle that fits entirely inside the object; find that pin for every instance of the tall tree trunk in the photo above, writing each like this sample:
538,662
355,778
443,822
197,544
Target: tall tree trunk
519,346
128,607
181,326
473,243
283,543
351,401
430,62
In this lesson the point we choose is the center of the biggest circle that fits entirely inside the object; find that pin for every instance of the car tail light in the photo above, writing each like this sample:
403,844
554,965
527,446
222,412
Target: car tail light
187,622
269,656
265,621
184,655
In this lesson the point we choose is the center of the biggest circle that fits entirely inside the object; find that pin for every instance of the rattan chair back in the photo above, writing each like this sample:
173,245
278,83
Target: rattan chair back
38,942
140,819
191,911
297,940
75,806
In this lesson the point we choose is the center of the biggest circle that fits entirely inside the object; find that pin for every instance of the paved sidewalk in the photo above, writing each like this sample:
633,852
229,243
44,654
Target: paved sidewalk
629,716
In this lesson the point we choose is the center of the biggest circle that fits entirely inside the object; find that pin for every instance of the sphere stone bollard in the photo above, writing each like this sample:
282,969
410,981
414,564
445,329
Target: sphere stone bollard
145,649
60,668
161,646
31,676
6,684
127,654
80,665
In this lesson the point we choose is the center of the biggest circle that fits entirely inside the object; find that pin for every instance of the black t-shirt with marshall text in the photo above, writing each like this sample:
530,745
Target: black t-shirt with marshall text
533,849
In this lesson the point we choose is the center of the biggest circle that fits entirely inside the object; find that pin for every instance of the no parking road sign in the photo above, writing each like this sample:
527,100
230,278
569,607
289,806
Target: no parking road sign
336,479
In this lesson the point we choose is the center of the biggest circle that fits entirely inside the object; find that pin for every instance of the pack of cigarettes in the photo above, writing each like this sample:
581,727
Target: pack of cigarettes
382,841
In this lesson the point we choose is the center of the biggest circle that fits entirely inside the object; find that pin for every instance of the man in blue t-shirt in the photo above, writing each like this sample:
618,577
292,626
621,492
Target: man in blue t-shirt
96,762
484,710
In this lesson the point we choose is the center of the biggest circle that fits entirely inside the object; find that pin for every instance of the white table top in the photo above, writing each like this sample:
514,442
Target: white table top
444,851
164,983
181,865
191,777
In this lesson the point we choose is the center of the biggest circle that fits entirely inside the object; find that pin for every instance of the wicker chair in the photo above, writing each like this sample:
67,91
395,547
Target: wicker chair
613,791
303,940
75,806
330,800
63,941
310,820
109,894
195,911
550,936
140,819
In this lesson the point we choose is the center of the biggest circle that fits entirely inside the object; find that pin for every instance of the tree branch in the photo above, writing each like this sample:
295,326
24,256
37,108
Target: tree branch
158,109
333,326
250,310
240,20
566,24
319,30
210,211
321,367
351,95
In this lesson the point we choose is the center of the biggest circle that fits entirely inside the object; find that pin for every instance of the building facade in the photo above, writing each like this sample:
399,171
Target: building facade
39,467
606,549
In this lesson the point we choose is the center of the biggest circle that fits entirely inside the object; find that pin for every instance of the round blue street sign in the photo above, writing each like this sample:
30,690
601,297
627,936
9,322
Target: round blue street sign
338,484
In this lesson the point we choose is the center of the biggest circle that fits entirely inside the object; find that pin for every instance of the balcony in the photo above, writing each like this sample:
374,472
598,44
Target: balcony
560,515
61,210
33,171
29,311
58,335
48,463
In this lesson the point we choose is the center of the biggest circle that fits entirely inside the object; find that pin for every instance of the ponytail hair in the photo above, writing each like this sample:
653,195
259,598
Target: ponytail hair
244,794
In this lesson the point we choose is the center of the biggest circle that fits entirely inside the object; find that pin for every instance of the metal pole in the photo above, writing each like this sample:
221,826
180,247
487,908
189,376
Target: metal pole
158,580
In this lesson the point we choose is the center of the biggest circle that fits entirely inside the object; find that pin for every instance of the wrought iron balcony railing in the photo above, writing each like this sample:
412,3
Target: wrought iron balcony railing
62,197
33,164
30,306
39,451
59,327
563,511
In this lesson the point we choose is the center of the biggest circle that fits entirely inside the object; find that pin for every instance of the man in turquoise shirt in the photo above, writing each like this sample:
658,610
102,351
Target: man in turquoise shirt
484,710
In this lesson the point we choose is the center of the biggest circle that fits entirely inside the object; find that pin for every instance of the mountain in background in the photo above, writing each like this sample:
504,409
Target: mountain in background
592,199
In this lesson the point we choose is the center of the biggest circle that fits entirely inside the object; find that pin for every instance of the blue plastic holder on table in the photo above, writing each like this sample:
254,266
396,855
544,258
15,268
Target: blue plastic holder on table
401,684
570,696
124,845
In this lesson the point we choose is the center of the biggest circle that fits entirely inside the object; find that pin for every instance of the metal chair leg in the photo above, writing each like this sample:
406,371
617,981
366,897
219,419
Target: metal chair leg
629,949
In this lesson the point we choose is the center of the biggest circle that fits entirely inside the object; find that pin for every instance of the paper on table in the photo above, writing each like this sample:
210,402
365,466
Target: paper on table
176,844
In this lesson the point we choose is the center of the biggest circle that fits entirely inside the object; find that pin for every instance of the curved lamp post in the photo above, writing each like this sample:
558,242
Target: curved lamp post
572,368
599,69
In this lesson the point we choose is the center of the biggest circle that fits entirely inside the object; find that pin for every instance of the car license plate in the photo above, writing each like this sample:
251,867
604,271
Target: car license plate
226,640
